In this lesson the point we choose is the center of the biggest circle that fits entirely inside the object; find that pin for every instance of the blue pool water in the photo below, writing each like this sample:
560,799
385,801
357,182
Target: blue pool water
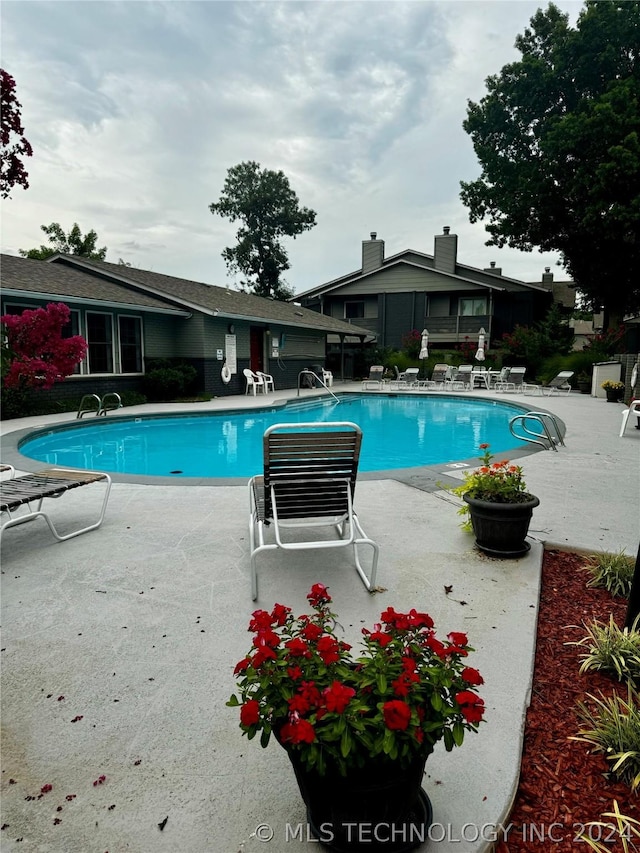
399,432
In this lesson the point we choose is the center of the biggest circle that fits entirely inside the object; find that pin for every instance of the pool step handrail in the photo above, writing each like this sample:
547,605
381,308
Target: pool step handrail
307,372
87,405
109,403
105,404
551,434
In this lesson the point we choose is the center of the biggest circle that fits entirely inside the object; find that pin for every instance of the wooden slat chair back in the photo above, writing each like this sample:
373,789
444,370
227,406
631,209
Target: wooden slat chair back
309,479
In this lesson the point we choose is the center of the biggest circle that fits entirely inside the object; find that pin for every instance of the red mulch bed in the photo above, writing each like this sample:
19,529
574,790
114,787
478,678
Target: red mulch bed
562,784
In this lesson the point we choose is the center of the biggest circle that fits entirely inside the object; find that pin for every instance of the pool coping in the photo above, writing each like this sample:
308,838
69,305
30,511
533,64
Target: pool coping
425,477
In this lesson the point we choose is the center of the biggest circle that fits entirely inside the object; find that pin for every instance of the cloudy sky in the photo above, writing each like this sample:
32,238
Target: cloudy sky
136,110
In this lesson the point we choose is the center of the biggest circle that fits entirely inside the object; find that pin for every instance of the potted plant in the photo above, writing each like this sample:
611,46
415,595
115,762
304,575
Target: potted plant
358,729
499,506
614,390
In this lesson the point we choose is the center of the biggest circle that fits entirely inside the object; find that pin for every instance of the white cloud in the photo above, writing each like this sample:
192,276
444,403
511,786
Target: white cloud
136,111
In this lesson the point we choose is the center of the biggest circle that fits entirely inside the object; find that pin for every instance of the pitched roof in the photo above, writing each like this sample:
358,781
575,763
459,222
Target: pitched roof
411,257
25,277
80,279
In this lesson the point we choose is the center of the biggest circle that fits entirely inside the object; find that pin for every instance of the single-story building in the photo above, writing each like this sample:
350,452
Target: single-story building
129,316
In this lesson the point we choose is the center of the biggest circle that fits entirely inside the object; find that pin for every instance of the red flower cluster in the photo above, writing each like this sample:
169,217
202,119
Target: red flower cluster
300,682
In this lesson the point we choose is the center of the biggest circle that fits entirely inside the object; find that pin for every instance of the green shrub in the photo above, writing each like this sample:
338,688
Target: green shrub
621,827
163,384
613,572
165,380
612,728
612,649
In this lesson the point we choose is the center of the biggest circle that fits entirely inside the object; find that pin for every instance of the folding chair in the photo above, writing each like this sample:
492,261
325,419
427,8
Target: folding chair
19,493
309,480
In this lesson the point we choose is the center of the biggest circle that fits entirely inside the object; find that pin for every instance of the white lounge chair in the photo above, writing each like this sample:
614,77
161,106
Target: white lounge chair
514,380
463,376
375,378
18,494
309,481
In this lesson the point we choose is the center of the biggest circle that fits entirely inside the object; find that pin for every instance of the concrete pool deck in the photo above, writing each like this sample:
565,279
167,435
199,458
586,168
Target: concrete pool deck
138,626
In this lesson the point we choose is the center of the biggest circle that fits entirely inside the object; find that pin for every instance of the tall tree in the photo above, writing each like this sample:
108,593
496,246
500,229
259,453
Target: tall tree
558,140
268,209
72,243
12,139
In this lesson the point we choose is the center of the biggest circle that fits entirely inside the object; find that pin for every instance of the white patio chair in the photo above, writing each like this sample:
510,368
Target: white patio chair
254,382
267,380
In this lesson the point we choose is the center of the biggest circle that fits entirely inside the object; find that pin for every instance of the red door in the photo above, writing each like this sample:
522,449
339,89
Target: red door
256,348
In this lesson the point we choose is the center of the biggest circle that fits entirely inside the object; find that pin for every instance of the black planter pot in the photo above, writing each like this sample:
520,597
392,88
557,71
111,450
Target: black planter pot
379,808
613,395
501,529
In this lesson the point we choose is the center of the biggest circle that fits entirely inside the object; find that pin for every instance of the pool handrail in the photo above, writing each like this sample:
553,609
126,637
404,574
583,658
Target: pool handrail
307,372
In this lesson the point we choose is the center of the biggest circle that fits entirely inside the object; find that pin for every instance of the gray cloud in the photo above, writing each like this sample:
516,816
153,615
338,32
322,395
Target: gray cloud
137,109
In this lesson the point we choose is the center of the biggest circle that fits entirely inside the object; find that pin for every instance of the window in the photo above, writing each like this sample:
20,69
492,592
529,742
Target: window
130,344
473,307
100,342
353,310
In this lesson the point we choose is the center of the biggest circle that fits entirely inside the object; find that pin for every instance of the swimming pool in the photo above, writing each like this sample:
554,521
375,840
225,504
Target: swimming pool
400,431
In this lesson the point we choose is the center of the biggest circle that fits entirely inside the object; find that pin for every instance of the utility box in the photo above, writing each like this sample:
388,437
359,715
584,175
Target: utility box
602,371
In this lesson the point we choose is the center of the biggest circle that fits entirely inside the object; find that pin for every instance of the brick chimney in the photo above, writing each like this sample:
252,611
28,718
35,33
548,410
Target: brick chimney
372,253
445,251
493,268
547,278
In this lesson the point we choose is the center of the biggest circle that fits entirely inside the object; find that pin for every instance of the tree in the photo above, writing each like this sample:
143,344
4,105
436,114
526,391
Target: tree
268,209
558,139
14,144
34,352
72,243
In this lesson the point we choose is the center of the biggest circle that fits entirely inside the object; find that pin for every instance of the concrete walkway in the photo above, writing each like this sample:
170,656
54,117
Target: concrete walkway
118,647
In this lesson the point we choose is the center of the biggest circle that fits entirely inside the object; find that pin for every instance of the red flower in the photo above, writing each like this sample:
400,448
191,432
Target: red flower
242,665
279,614
266,637
294,672
396,714
338,696
261,619
298,648
458,638
311,631
420,620
318,595
436,646
250,713
261,656
298,731
378,636
471,706
471,675
328,649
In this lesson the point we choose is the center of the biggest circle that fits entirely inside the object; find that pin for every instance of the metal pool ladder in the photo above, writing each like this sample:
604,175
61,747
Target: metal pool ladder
550,437
105,404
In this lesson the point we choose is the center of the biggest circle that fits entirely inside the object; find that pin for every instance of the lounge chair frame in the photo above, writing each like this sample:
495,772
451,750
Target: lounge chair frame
28,492
309,481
